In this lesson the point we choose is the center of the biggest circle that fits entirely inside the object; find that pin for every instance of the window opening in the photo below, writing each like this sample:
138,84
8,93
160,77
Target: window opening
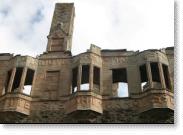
119,77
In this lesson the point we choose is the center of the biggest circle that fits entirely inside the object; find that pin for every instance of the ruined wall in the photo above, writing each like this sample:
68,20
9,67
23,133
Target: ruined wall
57,78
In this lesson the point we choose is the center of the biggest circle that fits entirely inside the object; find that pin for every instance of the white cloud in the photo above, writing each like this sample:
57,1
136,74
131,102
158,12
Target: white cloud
131,24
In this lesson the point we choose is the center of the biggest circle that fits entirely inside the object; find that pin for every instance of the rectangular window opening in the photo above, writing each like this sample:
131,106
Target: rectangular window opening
119,79
96,75
155,72
143,77
17,79
122,89
85,77
5,89
28,81
166,76
74,79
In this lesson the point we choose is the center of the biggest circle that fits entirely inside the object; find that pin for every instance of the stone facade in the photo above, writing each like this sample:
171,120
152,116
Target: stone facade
57,78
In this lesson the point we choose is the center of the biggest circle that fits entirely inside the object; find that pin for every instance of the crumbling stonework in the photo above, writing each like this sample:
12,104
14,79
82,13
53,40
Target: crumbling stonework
57,78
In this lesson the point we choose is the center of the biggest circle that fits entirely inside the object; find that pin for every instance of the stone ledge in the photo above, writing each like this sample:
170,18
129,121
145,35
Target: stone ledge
141,102
151,91
84,101
15,102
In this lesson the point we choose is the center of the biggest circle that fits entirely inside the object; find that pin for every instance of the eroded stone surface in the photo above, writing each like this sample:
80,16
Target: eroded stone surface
54,99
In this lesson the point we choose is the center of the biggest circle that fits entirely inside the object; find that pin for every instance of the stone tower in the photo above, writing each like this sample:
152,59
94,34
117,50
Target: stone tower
60,36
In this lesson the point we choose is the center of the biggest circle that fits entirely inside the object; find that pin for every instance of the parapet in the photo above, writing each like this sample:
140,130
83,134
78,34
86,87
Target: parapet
95,49
5,56
169,50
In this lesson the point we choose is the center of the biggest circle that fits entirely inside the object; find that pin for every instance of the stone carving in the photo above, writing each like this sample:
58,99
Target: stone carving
52,62
118,60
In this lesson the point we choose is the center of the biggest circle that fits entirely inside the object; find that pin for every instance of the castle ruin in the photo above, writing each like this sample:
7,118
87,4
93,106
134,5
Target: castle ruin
86,88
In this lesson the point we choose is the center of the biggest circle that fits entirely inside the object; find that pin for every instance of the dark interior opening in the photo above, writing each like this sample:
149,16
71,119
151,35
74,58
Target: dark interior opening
119,77
29,77
74,79
143,76
96,75
85,74
166,76
7,81
28,81
155,72
17,78
85,77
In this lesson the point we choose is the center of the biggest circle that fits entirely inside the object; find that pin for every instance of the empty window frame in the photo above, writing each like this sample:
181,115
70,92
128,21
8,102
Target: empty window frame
85,77
120,76
28,81
166,76
5,89
143,77
74,79
155,72
17,79
96,75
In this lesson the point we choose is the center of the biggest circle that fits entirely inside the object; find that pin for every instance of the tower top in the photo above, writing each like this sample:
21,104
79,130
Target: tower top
63,15
60,36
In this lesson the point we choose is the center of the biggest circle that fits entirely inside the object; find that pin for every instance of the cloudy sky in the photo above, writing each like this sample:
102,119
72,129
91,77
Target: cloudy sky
112,24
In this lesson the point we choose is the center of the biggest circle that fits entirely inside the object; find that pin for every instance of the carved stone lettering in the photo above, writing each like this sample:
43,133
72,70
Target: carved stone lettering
118,60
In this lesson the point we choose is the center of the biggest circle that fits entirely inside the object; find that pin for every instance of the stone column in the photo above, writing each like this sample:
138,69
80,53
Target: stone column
11,80
22,82
162,79
33,82
149,74
170,80
79,77
101,81
91,78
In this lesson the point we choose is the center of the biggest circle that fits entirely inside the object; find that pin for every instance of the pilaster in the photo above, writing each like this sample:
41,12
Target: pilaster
162,79
79,77
91,77
149,74
11,80
22,82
